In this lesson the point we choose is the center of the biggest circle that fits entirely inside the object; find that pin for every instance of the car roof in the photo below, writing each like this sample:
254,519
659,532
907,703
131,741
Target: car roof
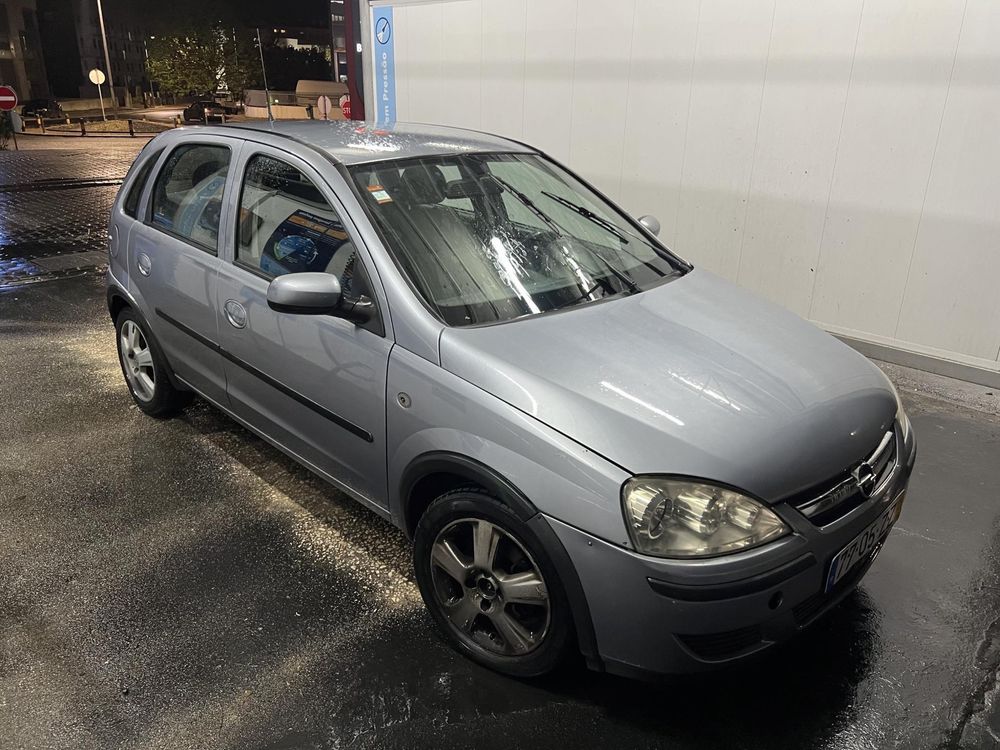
355,142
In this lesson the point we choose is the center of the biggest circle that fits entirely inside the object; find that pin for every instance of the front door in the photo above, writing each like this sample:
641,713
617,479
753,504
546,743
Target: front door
315,384
173,260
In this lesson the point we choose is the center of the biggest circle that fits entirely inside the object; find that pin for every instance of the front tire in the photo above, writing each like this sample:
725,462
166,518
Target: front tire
490,585
144,368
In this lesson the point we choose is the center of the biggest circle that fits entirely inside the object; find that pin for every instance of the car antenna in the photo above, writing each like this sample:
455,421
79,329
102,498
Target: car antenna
263,70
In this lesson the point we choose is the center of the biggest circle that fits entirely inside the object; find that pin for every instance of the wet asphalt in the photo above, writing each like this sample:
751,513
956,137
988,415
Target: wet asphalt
180,584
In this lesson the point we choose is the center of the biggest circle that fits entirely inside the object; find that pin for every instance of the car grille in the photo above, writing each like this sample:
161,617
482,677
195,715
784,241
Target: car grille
835,498
725,645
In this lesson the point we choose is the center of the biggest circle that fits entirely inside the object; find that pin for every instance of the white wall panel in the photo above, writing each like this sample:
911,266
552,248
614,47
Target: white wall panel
952,299
426,76
600,90
548,75
462,59
659,90
808,72
898,89
838,156
729,65
503,66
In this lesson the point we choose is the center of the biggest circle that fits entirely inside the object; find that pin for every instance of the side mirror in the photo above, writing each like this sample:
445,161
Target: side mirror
316,294
651,223
304,293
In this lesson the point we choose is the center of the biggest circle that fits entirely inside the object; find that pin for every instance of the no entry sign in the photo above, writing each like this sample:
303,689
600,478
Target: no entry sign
8,99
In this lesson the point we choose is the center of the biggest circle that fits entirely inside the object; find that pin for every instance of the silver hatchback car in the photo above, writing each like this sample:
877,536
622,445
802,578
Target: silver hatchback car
596,447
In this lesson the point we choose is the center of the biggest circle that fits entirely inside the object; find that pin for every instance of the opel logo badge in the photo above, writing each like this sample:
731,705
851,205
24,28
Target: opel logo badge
864,475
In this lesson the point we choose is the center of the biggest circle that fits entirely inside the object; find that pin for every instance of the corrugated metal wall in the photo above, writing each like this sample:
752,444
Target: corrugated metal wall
841,157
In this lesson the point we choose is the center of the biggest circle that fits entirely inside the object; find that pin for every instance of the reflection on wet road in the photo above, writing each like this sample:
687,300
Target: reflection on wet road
180,584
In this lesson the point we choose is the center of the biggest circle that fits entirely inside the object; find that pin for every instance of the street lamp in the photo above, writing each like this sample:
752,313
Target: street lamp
107,57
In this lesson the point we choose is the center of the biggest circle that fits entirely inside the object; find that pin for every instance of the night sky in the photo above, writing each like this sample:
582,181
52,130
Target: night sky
162,16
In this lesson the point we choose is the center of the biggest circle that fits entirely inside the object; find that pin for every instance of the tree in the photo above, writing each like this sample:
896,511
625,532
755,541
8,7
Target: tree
202,60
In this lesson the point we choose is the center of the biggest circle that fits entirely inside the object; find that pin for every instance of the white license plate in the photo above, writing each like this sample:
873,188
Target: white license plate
863,545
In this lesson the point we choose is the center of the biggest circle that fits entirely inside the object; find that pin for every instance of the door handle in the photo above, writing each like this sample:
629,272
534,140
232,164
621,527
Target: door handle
144,264
236,314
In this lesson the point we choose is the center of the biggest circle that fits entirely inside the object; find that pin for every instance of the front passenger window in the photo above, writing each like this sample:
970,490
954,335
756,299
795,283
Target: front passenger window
187,197
285,225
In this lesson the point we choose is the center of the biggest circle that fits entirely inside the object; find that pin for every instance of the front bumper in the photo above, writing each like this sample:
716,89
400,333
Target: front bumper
654,616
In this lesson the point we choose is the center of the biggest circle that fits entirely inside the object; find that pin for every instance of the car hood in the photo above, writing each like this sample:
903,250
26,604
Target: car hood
695,377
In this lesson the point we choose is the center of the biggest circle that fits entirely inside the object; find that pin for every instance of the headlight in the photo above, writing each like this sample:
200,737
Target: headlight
678,518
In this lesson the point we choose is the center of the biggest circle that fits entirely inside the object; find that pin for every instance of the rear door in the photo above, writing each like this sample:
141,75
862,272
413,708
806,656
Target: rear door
125,213
315,384
173,257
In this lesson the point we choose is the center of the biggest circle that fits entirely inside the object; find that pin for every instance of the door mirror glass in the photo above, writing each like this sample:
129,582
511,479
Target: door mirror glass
305,294
651,223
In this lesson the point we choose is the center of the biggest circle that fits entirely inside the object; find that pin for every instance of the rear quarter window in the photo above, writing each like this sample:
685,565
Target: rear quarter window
131,204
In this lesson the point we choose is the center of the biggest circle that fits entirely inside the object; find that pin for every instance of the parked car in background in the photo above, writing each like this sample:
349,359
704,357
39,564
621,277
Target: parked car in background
42,108
595,446
204,110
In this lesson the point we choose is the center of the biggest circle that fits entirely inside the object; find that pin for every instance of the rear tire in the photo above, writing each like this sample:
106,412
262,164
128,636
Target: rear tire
144,368
490,585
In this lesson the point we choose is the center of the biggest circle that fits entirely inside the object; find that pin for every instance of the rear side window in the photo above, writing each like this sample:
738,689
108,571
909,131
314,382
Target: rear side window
187,196
131,204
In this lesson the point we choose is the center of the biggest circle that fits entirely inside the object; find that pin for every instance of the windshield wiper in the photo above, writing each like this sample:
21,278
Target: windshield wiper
631,285
587,214
527,202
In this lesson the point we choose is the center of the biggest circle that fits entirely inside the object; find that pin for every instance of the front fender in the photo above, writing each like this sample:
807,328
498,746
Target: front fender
446,414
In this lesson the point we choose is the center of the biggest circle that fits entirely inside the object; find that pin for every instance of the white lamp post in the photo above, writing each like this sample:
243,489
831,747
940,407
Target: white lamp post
107,57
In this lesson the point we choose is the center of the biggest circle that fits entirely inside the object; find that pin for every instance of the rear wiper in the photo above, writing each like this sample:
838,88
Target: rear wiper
587,214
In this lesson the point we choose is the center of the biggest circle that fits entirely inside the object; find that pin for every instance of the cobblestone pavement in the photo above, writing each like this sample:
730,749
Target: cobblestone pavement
55,195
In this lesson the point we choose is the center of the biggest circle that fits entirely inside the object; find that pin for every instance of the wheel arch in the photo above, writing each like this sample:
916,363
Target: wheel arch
118,301
430,475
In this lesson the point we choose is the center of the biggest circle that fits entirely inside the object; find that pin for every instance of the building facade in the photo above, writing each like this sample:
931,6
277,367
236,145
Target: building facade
21,62
71,35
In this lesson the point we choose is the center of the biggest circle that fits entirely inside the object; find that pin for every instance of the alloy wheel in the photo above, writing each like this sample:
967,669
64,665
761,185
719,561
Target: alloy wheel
137,360
489,587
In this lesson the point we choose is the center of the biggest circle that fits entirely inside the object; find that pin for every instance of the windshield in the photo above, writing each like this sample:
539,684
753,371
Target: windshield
492,237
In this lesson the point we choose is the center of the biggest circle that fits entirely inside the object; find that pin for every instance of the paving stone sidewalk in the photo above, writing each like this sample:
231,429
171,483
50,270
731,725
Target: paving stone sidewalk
54,205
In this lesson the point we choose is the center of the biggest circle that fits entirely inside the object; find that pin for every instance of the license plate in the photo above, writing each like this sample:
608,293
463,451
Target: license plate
864,545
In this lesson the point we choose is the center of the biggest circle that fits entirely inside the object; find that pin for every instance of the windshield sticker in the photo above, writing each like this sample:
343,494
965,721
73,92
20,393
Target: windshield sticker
379,194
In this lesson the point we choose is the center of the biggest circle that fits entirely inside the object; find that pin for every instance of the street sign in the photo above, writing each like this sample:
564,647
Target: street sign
8,99
324,106
345,105
96,76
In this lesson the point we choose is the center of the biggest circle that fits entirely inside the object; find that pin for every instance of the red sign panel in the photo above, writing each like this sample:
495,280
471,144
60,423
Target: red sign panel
8,99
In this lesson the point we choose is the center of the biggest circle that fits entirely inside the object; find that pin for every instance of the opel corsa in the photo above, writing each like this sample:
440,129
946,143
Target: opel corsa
595,446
